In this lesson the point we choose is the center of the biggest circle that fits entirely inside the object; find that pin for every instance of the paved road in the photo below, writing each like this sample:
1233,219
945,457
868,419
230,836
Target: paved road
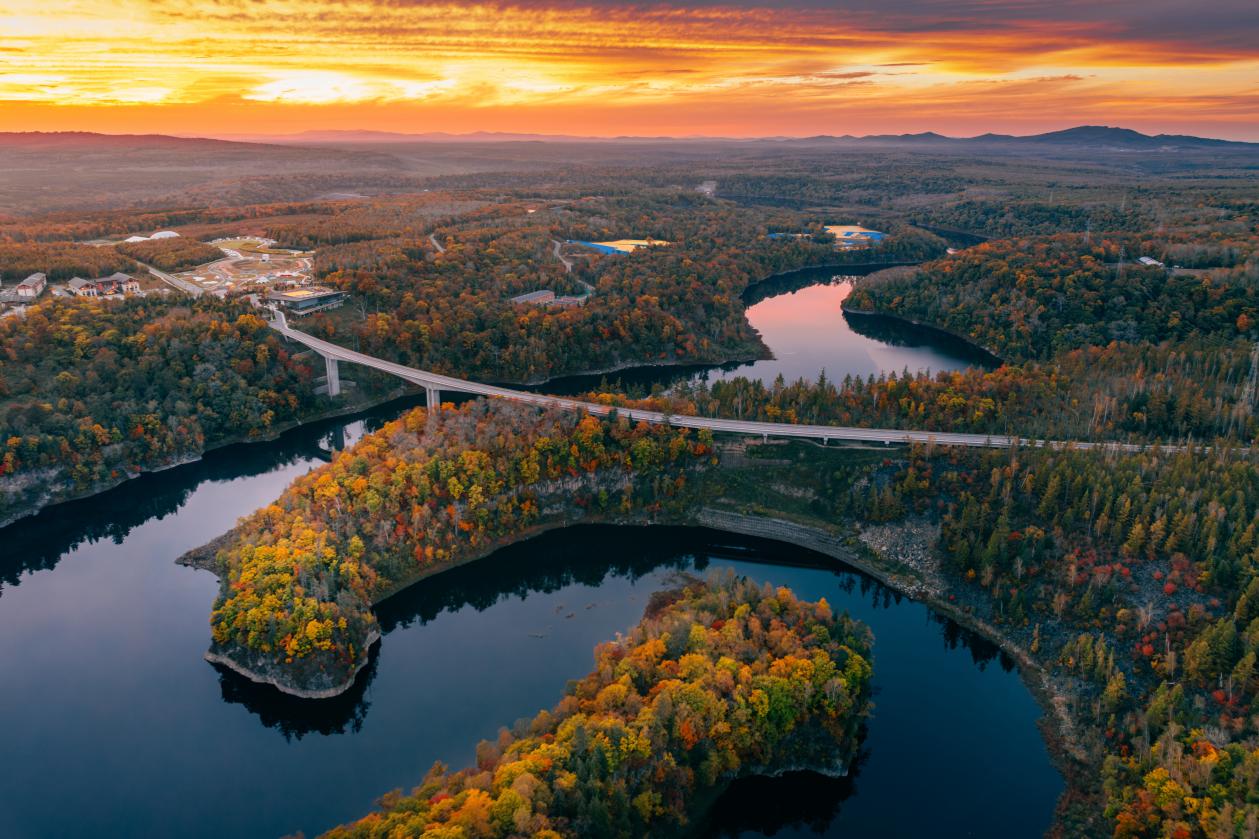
824,433
433,238
568,266
183,285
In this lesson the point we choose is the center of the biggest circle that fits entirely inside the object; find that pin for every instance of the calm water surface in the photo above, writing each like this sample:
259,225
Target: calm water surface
807,332
118,727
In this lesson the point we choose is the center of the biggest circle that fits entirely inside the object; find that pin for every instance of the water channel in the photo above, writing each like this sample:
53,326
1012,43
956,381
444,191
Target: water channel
118,727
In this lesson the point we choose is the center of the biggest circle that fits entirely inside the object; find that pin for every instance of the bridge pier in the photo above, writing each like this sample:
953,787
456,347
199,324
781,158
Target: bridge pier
334,376
432,398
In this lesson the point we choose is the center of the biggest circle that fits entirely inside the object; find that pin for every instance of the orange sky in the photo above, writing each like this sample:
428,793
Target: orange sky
216,67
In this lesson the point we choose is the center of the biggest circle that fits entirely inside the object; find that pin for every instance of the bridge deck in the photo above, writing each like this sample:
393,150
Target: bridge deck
824,433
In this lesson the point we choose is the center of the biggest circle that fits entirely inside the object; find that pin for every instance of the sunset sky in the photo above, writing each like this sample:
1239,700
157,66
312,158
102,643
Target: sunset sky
223,67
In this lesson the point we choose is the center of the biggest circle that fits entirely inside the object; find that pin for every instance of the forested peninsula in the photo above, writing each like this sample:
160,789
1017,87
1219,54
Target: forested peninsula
428,491
721,679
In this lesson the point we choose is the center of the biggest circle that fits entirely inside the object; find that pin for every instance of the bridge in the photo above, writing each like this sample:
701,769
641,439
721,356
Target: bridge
435,383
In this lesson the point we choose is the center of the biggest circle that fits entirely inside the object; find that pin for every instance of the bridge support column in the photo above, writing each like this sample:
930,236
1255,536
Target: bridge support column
432,398
334,376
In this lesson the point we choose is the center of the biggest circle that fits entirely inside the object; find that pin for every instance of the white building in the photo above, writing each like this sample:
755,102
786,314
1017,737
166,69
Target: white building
165,234
32,286
1151,261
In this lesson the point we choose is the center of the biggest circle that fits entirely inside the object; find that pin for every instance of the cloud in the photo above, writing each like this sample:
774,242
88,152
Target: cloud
704,58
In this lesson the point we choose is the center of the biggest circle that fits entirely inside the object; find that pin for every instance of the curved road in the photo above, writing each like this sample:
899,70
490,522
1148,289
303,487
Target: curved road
823,433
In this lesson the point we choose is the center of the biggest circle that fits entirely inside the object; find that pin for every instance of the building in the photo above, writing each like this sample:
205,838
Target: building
304,300
80,287
118,283
32,286
1150,261
618,245
853,236
114,284
537,298
165,234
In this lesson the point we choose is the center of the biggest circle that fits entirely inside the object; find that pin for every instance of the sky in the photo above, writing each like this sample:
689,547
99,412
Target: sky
721,68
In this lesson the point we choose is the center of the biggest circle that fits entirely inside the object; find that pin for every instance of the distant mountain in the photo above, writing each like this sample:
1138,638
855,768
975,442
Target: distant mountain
1102,135
1096,136
70,140
342,136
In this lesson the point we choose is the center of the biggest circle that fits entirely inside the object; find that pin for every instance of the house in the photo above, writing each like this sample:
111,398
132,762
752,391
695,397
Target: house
118,283
32,286
80,287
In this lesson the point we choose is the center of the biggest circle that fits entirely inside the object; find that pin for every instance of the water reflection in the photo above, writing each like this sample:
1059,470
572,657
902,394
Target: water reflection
295,718
559,560
790,804
38,542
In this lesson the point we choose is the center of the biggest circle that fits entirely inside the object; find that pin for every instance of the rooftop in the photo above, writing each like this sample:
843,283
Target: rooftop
303,293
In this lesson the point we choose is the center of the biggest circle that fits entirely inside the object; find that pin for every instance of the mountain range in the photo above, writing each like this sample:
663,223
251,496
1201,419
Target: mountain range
1083,135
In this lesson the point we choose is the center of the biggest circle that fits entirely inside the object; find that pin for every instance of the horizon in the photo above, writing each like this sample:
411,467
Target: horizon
523,136
737,68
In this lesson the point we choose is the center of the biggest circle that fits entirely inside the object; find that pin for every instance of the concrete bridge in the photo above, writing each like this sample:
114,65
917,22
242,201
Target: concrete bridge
435,383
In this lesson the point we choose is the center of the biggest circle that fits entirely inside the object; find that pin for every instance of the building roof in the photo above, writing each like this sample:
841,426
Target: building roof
543,296
165,234
853,231
296,295
78,283
618,245
34,279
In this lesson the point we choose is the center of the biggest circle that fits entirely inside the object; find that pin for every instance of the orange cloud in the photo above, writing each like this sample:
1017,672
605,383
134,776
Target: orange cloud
239,66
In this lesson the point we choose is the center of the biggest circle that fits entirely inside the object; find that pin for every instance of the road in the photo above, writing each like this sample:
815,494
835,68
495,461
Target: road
568,266
433,238
822,433
183,285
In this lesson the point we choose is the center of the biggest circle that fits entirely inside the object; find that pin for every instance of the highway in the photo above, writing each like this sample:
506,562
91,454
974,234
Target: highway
435,382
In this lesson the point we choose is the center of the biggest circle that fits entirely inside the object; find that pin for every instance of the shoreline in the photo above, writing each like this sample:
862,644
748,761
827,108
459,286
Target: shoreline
187,459
403,392
997,360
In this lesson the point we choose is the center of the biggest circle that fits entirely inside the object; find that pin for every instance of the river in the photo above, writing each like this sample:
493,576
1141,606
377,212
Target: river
118,727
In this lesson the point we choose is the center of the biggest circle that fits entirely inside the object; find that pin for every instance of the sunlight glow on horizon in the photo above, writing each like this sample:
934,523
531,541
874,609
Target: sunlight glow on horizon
240,66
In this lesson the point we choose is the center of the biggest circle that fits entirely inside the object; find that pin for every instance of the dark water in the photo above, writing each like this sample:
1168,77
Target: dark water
808,334
800,318
116,726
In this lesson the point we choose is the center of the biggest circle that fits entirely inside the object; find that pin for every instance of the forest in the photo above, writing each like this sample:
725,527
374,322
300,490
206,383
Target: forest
60,261
427,491
1033,298
171,254
449,311
721,678
1132,576
94,391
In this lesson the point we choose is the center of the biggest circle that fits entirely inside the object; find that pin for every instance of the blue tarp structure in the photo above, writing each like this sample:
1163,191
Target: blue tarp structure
593,246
